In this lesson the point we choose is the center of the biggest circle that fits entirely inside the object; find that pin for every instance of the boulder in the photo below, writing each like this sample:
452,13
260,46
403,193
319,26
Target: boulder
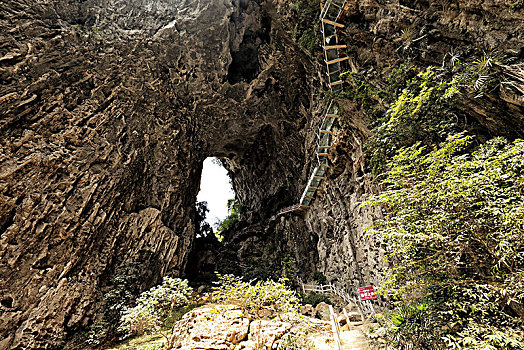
215,328
307,310
265,333
322,311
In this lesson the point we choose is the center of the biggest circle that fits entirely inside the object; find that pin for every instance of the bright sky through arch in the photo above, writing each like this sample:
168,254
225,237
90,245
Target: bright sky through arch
215,189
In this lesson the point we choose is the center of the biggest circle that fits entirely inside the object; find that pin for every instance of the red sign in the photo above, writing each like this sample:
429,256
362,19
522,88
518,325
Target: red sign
367,293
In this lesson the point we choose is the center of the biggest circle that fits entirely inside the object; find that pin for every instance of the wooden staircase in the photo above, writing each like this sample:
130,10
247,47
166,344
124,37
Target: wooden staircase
329,16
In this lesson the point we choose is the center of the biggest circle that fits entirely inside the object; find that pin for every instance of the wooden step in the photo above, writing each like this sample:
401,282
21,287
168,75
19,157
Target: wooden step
332,116
327,21
337,60
329,47
337,83
326,132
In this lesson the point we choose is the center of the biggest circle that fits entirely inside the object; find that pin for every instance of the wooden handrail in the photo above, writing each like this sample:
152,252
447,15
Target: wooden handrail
335,327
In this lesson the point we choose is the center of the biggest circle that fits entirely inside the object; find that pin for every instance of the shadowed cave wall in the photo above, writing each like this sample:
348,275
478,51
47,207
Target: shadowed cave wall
108,110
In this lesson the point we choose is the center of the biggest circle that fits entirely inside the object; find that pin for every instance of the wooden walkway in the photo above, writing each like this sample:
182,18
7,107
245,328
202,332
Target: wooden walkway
349,337
328,17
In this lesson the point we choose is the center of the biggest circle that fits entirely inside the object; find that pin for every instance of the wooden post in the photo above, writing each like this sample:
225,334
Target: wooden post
347,317
335,327
372,307
361,310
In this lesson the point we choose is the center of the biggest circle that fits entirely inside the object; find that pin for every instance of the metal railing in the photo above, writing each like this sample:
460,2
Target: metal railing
364,307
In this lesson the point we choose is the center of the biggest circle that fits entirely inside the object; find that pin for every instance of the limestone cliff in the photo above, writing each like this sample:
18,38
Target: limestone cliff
381,36
107,111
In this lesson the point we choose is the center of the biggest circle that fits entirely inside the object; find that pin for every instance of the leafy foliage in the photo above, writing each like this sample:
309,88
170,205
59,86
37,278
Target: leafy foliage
203,228
454,231
154,307
374,99
410,327
314,299
289,264
421,113
234,209
478,76
253,297
125,284
304,14
319,277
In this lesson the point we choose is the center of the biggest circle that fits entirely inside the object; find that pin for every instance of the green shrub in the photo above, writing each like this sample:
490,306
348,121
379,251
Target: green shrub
314,299
154,307
234,209
410,327
453,230
304,15
421,113
319,277
255,297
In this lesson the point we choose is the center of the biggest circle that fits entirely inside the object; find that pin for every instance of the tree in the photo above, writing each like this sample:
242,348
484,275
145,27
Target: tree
453,230
234,209
203,227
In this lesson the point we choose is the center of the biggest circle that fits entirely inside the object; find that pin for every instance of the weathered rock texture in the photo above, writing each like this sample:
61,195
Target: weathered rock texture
223,327
108,108
107,111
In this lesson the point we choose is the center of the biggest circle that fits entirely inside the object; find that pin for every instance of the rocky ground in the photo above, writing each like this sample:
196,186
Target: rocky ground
226,327
221,327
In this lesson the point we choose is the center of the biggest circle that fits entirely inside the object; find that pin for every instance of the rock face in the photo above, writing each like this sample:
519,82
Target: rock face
107,111
108,108
377,42
223,327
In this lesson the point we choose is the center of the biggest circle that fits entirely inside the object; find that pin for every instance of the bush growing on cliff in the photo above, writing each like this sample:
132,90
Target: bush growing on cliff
234,209
314,299
304,14
319,277
154,307
252,297
454,231
421,113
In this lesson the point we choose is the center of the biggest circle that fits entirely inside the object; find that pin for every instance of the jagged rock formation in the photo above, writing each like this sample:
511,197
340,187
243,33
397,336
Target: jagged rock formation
107,110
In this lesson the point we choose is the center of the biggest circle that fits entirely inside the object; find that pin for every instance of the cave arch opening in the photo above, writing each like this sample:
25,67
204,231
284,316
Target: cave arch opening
216,203
216,210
